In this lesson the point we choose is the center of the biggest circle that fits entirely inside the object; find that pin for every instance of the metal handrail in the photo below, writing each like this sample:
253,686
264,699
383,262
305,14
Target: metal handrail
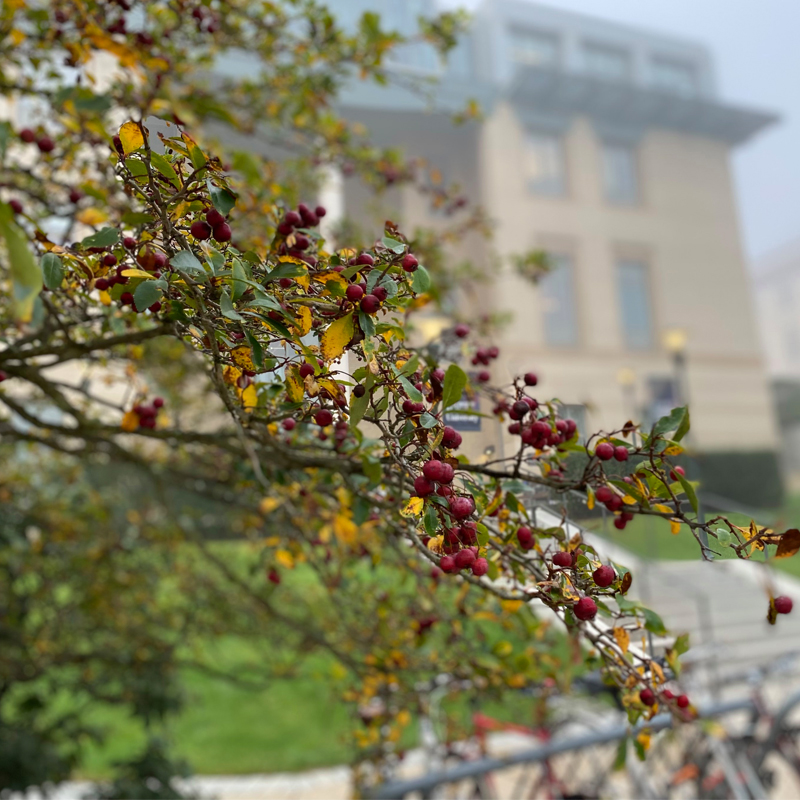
396,790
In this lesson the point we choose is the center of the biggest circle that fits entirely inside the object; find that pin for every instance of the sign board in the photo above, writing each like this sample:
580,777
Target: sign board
455,418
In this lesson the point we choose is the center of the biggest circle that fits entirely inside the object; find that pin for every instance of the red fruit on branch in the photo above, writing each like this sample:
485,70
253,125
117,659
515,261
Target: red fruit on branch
603,494
359,390
101,284
677,471
75,196
370,304
620,523
323,417
783,604
451,438
423,487
200,230
435,470
604,576
520,408
525,537
365,259
480,567
410,262
110,260
354,292
15,205
27,135
214,217
380,292
585,609
682,701
448,564
129,242
288,424
461,330
293,218
46,144
621,453
465,559
306,369
562,559
461,507
222,232
604,451
531,379
320,211
274,577
483,376
647,697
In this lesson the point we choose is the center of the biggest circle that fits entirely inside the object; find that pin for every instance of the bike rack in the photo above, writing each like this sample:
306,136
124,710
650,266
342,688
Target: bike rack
397,790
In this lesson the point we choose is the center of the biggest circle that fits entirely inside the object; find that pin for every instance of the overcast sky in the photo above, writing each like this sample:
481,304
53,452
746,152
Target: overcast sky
756,46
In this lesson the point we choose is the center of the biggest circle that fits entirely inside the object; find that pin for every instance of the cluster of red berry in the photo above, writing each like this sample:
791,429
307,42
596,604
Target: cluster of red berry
147,414
213,226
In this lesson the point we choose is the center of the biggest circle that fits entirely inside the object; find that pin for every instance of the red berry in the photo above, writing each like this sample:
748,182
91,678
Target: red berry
370,304
46,144
285,282
480,566
129,242
562,559
620,523
603,494
682,701
647,697
200,229
461,507
621,453
323,417
101,284
288,424
448,564
380,292
677,471
525,537
465,559
75,196
520,408
214,218
110,260
783,604
293,218
27,135
16,206
320,211
354,292
451,438
410,262
423,487
359,390
531,379
668,694
435,470
585,608
462,330
274,577
306,369
222,232
604,576
604,451
483,376
126,298
284,229
365,259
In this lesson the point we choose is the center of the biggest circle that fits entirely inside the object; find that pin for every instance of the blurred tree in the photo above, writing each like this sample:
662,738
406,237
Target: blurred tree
152,240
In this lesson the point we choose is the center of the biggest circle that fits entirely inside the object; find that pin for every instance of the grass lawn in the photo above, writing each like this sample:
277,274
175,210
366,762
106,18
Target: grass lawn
650,537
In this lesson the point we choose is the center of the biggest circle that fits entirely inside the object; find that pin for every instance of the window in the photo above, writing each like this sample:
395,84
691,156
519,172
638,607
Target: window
606,62
544,164
634,300
619,174
677,77
535,47
558,302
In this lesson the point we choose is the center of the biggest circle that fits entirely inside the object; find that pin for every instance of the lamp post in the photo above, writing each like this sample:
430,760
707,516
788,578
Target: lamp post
674,340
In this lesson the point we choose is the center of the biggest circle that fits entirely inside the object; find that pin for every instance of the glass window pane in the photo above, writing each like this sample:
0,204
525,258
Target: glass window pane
534,47
544,164
558,302
606,62
677,77
619,173
634,299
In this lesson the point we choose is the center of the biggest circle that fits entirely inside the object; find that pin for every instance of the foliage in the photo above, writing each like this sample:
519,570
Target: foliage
299,413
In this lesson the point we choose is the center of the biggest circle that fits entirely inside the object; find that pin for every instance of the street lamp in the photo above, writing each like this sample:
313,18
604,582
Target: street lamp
674,341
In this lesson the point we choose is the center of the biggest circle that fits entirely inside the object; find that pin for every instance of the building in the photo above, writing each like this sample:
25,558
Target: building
608,147
776,279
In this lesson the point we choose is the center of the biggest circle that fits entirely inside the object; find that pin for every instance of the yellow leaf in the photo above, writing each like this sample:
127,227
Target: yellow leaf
231,374
17,37
674,526
250,397
413,507
294,385
304,320
511,606
673,450
268,505
345,529
435,544
292,260
628,500
243,357
332,277
623,639
662,508
137,273
130,135
130,421
644,739
590,498
336,337
105,298
91,216
658,672
284,558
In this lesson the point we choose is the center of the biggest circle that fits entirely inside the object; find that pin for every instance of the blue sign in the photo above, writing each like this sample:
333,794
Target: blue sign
456,418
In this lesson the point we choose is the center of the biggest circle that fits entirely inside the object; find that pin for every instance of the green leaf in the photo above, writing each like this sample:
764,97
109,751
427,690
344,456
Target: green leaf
187,261
52,271
621,756
681,645
227,309
653,622
689,489
455,379
421,281
683,428
196,155
25,271
367,324
255,346
413,393
483,534
372,468
136,218
287,270
265,301
348,272
163,165
146,294
431,520
223,199
105,237
240,281
673,421
393,244
428,420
